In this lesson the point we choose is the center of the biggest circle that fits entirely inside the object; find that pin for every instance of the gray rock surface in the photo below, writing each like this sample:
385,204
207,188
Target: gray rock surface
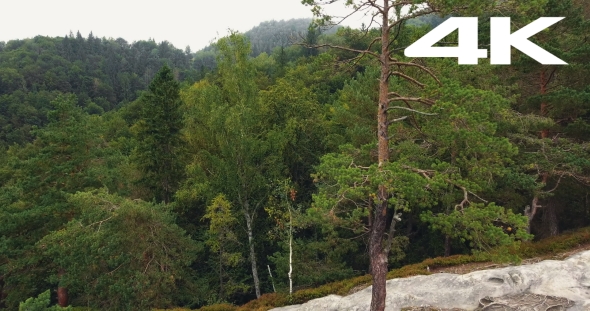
569,278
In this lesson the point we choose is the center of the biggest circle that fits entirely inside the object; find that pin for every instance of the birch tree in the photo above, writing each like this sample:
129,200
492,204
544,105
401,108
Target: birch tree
233,157
280,209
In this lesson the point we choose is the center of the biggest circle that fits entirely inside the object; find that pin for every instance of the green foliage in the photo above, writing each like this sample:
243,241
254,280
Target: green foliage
41,303
223,241
280,146
159,149
483,226
102,73
221,221
120,253
39,176
233,153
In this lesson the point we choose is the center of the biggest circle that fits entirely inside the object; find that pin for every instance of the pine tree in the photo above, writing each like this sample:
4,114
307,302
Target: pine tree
158,151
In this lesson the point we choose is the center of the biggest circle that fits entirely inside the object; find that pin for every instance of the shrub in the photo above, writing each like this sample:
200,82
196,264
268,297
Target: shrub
41,303
219,307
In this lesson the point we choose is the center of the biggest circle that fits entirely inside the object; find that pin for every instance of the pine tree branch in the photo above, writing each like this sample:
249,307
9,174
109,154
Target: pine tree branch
408,78
338,47
411,110
395,62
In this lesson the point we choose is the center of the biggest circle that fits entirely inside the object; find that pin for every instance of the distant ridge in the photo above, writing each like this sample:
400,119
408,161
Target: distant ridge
270,34
264,38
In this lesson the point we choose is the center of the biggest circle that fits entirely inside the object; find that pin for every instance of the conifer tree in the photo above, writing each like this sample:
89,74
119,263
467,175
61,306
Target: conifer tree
387,199
158,151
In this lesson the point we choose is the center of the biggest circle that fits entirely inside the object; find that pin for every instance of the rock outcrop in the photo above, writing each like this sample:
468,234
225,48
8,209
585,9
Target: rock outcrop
566,281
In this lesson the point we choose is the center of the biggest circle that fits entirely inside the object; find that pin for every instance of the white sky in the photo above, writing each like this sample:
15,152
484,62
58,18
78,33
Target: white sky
181,22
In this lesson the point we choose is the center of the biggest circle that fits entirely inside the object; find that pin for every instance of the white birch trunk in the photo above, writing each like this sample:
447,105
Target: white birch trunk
252,252
290,253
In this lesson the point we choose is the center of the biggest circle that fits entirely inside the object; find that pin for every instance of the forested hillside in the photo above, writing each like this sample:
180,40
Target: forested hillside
134,176
102,73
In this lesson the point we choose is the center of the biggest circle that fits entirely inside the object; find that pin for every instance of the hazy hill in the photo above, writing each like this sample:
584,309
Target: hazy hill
270,34
264,38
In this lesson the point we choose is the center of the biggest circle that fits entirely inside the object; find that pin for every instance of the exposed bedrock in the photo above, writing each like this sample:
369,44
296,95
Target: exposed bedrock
569,279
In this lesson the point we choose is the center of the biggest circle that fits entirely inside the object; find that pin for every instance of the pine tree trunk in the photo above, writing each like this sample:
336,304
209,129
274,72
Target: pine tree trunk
62,297
549,213
377,255
550,221
531,211
587,208
2,293
447,246
62,292
378,258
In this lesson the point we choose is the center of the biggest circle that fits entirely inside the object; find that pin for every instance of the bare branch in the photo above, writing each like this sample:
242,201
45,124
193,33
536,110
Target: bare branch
148,264
375,5
376,39
426,173
99,223
412,64
428,10
412,110
403,75
397,120
354,11
390,234
117,268
465,195
342,48
465,199
557,184
425,101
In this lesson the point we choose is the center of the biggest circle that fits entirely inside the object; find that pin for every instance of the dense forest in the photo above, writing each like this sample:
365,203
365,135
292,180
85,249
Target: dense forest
137,175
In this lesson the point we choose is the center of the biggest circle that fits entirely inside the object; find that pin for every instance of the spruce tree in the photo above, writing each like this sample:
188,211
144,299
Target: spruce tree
159,145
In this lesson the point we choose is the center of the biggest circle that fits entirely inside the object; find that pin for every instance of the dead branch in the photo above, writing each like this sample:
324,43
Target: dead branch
148,264
117,268
408,78
465,199
412,64
424,101
557,184
338,47
426,173
99,223
409,109
427,11
397,120
390,234
375,5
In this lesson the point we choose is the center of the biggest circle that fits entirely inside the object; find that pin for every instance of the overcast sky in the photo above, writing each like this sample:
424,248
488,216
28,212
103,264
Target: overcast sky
181,22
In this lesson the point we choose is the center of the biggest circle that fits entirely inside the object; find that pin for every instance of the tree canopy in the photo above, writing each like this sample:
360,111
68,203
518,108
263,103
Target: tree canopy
140,176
